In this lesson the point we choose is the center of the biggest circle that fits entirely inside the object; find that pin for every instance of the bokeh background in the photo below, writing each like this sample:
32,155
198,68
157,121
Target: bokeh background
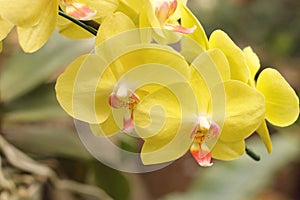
32,121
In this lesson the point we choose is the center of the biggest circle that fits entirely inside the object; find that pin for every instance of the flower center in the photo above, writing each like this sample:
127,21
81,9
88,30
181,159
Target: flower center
125,98
78,10
203,132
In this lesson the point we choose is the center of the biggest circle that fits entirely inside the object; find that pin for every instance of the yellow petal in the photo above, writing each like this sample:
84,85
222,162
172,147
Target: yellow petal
33,38
282,103
210,68
228,150
221,63
263,133
65,84
201,89
107,128
151,15
112,25
24,13
190,49
144,57
5,28
71,30
189,20
131,7
78,92
252,61
235,56
165,120
245,111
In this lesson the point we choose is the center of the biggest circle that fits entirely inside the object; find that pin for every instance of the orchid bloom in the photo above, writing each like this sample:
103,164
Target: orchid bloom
36,20
211,117
116,93
164,14
281,101
103,89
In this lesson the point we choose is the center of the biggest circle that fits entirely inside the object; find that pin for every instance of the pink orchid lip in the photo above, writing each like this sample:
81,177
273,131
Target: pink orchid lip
202,157
116,102
198,149
128,125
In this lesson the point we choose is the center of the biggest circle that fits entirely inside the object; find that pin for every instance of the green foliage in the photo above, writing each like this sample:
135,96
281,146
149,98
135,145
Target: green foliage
112,181
22,72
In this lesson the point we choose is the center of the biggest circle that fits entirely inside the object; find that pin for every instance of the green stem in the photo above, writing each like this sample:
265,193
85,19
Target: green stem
79,23
253,155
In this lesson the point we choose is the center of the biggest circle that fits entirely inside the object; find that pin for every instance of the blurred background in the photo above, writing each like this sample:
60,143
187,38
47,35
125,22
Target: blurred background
52,163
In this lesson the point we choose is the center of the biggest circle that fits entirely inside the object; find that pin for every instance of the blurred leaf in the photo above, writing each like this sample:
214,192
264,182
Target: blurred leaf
245,178
39,104
23,72
46,140
128,143
112,181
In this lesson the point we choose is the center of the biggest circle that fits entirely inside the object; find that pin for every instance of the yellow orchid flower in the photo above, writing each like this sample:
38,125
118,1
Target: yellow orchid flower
210,115
104,88
94,102
36,20
282,103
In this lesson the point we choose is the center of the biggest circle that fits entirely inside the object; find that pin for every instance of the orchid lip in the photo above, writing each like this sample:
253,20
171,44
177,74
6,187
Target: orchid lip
203,131
125,98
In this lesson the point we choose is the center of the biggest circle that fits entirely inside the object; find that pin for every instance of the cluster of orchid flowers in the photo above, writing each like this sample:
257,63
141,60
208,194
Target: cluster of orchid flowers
155,74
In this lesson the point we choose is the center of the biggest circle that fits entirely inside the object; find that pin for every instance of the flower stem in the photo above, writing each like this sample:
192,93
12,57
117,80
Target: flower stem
253,155
78,22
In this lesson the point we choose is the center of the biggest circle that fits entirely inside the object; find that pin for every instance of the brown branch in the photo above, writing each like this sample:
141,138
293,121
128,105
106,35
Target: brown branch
21,161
